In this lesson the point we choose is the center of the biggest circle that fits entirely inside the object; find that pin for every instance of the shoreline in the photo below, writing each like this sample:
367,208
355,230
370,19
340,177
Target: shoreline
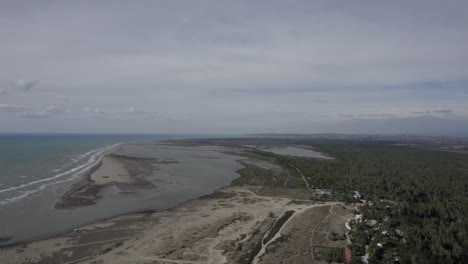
229,215
123,172
232,224
65,200
105,219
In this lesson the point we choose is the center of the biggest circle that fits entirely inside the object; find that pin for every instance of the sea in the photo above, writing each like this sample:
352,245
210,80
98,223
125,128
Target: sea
36,169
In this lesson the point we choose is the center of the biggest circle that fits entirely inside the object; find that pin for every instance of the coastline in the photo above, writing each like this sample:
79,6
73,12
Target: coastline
247,221
123,172
201,230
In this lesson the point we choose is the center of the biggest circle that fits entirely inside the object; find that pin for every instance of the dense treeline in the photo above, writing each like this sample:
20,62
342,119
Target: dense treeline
430,189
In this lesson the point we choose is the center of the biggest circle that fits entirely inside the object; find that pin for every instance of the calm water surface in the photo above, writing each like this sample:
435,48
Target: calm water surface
37,169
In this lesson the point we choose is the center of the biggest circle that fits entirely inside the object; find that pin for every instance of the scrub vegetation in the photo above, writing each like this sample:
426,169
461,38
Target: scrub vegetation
417,197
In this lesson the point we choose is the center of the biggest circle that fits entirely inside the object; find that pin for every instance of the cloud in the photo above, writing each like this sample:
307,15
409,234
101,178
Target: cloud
12,108
232,65
134,114
52,109
134,111
421,112
40,114
62,97
423,125
162,117
445,112
93,110
25,85
47,112
377,115
19,85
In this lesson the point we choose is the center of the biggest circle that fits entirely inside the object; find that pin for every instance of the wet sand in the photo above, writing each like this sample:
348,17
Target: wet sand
232,225
124,172
235,224
110,171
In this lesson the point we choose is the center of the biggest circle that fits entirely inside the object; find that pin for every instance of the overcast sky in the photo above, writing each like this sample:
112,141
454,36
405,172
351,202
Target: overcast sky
234,66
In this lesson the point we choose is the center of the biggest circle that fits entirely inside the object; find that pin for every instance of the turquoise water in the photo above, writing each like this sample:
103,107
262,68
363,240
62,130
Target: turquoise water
37,169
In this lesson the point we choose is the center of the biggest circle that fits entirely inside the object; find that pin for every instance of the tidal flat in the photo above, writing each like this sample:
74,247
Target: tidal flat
135,177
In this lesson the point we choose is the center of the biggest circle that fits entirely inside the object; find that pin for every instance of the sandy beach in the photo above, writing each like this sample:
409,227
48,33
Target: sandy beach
232,225
265,216
111,171
123,172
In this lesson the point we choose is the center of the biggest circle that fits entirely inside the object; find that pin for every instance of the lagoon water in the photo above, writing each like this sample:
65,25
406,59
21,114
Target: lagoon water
298,151
36,169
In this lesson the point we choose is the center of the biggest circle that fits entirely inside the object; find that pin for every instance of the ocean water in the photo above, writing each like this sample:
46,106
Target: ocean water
37,169
32,163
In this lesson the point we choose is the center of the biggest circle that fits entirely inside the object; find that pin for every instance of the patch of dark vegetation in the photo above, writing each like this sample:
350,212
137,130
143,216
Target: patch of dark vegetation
276,245
251,256
428,190
270,233
277,226
329,254
218,195
255,176
248,249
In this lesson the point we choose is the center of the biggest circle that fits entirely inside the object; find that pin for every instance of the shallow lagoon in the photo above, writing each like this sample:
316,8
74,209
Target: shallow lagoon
199,170
298,152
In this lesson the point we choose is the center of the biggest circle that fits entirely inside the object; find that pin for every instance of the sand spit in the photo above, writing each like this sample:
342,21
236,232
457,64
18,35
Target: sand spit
111,171
121,171
232,225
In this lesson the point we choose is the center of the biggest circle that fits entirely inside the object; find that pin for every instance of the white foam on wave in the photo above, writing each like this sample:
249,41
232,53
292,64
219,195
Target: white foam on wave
27,193
77,158
91,152
95,157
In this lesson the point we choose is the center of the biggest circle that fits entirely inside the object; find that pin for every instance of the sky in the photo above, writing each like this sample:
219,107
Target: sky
233,67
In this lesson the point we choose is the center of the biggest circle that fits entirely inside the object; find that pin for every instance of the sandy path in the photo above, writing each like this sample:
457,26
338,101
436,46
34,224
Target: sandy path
303,178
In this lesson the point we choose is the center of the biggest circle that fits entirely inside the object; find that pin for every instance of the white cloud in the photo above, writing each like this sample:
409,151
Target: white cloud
234,65
346,115
163,117
52,109
376,115
421,112
25,85
40,114
93,110
13,108
62,97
